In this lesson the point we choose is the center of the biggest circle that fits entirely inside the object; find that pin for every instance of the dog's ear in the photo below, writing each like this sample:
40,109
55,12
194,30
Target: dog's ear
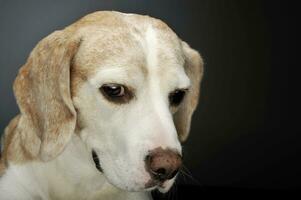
42,90
194,70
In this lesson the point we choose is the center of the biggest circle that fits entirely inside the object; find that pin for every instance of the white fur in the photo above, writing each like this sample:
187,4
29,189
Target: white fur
151,48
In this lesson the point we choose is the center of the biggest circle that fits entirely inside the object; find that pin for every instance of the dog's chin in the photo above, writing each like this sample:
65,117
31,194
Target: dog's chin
133,188
130,186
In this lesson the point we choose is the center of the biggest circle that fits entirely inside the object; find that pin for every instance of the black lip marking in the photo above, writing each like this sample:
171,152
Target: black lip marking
96,161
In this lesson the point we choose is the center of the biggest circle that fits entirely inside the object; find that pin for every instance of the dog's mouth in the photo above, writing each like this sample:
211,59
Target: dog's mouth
157,186
96,161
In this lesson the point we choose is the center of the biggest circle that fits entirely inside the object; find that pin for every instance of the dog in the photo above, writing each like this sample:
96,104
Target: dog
104,106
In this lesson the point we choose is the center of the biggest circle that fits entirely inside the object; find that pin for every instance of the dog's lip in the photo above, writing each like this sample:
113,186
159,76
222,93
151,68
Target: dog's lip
154,184
159,187
96,161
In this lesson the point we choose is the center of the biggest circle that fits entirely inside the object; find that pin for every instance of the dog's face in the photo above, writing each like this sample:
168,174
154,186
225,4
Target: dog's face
133,85
126,103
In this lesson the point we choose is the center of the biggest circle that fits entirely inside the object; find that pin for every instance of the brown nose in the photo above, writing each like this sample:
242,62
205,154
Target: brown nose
163,164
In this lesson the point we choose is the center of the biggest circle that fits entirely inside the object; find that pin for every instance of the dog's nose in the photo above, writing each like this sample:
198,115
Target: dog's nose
163,164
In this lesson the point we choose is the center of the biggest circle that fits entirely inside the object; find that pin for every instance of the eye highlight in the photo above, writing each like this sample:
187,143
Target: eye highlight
176,97
116,93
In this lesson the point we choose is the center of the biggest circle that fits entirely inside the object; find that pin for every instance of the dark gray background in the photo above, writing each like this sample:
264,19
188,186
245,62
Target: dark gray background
240,135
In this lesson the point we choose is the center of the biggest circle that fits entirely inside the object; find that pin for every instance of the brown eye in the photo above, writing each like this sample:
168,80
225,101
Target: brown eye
116,93
113,90
176,97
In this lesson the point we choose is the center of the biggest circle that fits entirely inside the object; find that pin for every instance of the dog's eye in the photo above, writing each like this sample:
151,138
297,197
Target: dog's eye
113,90
176,97
116,93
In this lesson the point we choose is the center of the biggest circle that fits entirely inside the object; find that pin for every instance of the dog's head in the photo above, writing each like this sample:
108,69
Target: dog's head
125,84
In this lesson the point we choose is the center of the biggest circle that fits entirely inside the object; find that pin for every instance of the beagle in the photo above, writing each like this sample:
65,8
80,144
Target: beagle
104,105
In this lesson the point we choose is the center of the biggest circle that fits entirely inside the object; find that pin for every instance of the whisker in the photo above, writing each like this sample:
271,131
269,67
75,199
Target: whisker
187,173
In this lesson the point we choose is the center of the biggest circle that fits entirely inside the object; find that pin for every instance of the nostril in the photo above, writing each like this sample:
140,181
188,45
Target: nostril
160,174
163,174
161,171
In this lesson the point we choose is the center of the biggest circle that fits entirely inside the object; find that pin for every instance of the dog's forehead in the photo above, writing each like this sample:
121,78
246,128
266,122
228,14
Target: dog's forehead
130,41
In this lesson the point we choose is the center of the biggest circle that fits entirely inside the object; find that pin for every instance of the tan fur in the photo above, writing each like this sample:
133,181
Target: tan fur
7,140
194,69
12,150
57,67
42,91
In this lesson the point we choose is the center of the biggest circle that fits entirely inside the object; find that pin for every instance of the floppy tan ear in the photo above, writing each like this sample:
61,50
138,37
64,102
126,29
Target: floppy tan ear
42,90
194,70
